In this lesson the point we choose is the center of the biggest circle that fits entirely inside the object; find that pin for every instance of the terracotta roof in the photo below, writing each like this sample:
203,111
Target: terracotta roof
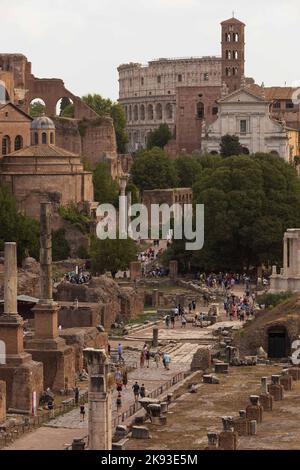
42,151
233,21
279,93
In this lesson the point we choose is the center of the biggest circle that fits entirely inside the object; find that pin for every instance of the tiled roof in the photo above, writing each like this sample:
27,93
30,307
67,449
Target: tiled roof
43,151
279,93
233,21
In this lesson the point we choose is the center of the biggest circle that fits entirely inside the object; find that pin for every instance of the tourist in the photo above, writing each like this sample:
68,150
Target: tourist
76,395
167,321
82,412
109,349
120,352
143,391
194,305
157,359
142,359
119,402
136,391
173,321
119,387
147,357
118,376
183,321
167,360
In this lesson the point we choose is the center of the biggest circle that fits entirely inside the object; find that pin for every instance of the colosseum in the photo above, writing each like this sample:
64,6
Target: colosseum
148,92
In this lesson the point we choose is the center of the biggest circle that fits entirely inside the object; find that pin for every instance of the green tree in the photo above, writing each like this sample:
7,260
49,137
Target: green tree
230,145
60,246
106,189
17,227
104,106
153,169
64,103
37,109
159,137
249,202
188,170
112,255
68,111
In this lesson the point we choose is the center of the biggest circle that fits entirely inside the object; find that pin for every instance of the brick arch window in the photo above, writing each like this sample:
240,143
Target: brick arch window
44,138
18,143
6,145
135,113
236,37
36,138
158,112
150,113
227,37
200,110
228,55
169,111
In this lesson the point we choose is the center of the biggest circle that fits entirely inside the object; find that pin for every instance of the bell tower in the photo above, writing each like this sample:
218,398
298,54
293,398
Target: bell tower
233,53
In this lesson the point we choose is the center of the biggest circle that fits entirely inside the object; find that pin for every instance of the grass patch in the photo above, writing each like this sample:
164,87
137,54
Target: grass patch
271,300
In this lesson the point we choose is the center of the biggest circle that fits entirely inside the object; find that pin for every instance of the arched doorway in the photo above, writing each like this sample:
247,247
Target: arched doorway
278,342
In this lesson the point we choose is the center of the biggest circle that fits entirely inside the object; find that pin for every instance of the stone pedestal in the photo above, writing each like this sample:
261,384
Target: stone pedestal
23,376
221,368
201,359
101,382
140,432
228,439
286,381
155,298
2,402
241,425
275,389
135,271
173,267
254,411
266,400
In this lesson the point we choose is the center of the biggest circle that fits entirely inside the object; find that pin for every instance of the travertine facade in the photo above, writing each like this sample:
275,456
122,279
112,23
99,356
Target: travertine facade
246,115
289,277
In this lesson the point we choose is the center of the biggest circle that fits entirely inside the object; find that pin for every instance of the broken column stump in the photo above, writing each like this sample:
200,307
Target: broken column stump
221,368
140,432
254,411
266,400
275,389
286,380
295,373
213,441
241,425
228,439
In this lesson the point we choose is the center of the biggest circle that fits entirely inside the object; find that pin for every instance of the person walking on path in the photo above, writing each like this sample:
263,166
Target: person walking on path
125,378
167,360
183,321
148,358
173,321
76,394
136,391
143,391
120,352
82,412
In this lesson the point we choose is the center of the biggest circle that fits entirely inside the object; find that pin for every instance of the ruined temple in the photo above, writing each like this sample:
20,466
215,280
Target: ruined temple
84,134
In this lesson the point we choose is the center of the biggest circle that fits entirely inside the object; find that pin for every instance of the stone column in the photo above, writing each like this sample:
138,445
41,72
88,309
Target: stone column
155,337
10,279
2,402
11,324
264,385
100,399
46,254
123,212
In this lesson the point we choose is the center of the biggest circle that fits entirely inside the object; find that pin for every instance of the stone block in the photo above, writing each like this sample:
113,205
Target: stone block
221,368
228,440
140,432
201,360
266,401
286,382
295,373
254,411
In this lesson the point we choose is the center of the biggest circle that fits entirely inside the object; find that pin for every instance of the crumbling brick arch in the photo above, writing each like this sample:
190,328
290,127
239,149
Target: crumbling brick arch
4,96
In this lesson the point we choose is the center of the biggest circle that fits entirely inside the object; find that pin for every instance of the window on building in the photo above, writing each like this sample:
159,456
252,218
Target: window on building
142,112
5,145
200,110
44,138
36,138
206,76
227,37
289,105
228,55
180,78
51,138
159,79
215,110
130,82
181,110
236,37
6,114
236,55
243,126
169,111
277,105
142,81
135,113
18,143
235,71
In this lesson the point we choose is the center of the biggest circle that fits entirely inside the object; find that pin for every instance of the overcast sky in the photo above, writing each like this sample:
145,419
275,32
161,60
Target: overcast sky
84,41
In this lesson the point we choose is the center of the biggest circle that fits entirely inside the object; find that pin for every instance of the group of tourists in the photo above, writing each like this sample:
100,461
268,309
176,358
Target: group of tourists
240,308
80,276
121,380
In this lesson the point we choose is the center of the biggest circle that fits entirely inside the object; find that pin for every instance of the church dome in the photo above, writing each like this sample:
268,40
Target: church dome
42,123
